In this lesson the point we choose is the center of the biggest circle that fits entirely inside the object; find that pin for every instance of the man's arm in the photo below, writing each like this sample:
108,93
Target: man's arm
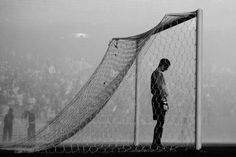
155,83
164,94
152,83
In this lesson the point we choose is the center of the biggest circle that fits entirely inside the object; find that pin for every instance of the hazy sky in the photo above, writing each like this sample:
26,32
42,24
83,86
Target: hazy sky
83,28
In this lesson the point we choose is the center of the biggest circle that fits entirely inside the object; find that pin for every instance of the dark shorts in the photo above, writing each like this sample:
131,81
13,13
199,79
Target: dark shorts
157,108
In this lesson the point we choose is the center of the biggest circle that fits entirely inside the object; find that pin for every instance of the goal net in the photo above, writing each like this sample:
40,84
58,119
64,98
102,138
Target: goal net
114,106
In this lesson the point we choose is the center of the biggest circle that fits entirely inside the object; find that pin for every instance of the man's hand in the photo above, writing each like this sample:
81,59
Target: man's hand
165,104
166,107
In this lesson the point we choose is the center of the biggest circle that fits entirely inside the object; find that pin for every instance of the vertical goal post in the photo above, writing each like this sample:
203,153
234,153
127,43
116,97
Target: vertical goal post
199,57
136,113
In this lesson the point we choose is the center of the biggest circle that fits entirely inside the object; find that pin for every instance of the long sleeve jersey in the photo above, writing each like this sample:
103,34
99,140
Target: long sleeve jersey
158,85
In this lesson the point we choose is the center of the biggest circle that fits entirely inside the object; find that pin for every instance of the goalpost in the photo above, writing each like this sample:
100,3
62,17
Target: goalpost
199,47
114,105
198,84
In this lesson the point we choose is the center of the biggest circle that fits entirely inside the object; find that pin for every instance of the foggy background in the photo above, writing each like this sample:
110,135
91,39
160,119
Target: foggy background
66,40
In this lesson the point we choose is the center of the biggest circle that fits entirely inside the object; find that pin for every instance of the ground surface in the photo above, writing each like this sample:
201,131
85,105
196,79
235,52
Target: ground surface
103,150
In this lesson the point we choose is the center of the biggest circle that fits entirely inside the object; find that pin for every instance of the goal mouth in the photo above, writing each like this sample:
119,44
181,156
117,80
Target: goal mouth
117,96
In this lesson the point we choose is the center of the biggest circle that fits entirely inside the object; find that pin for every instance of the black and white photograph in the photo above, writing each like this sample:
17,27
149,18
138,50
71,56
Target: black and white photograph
118,77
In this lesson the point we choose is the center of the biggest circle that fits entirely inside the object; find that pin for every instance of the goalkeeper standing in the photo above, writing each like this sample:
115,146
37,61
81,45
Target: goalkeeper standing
159,100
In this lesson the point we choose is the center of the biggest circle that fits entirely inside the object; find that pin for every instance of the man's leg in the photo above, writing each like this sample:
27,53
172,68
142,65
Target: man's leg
155,135
28,132
9,134
4,134
33,132
158,130
161,123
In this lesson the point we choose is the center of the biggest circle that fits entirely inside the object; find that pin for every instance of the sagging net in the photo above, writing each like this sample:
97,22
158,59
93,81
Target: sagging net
113,85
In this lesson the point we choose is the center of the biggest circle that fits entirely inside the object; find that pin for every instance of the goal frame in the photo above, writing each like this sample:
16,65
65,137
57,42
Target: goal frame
198,84
198,102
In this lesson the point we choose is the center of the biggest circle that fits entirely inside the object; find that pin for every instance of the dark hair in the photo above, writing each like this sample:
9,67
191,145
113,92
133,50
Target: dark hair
164,61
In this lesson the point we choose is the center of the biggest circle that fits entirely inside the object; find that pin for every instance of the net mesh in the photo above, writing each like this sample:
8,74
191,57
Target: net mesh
178,45
103,110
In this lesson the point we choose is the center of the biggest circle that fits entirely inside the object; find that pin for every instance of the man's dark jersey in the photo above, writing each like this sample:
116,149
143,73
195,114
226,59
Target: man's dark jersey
158,85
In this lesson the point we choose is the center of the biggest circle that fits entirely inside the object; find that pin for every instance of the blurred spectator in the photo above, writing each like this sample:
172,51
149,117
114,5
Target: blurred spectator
30,123
8,125
47,81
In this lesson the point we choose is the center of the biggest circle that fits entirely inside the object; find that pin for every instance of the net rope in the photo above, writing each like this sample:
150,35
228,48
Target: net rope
97,91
